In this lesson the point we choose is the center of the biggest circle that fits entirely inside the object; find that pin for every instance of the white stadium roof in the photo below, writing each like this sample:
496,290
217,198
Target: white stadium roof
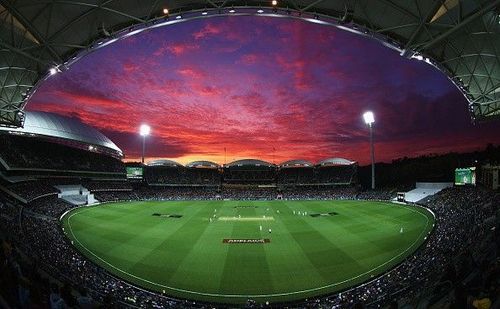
249,162
164,163
297,163
60,127
335,161
203,164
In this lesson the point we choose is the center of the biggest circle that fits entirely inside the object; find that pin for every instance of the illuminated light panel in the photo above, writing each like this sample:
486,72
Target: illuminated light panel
369,117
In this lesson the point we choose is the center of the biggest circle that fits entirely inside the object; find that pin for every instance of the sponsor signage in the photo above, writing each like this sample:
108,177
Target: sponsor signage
246,241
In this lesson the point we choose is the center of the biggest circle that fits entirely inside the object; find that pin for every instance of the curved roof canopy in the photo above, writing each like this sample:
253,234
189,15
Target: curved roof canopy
296,163
65,128
250,162
335,161
460,37
165,163
202,164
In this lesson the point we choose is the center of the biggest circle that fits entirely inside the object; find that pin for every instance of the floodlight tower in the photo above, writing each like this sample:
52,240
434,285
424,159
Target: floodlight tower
144,131
370,120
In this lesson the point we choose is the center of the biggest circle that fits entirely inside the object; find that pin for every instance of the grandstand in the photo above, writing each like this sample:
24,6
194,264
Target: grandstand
331,172
336,171
52,166
52,150
165,172
296,172
171,173
249,171
51,144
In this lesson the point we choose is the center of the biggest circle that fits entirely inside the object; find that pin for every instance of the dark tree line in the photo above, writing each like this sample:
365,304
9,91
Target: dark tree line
402,173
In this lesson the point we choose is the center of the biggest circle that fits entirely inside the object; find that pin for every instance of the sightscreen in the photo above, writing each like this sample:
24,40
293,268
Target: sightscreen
465,176
134,172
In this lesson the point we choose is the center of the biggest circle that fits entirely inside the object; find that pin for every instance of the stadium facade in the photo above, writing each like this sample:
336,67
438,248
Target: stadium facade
331,172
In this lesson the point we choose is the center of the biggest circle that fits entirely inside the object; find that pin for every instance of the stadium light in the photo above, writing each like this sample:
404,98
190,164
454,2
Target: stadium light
370,120
144,131
53,71
165,11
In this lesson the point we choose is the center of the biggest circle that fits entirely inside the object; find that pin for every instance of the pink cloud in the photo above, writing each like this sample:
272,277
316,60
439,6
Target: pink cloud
191,72
208,30
176,49
302,90
249,59
129,67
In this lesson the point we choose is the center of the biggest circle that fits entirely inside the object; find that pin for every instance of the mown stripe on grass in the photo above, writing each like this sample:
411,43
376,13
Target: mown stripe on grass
290,267
246,269
162,261
318,248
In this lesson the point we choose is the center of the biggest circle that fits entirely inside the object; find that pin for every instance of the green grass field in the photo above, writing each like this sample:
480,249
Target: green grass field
306,256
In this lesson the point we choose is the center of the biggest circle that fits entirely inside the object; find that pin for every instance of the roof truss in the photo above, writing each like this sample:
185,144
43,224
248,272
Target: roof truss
460,37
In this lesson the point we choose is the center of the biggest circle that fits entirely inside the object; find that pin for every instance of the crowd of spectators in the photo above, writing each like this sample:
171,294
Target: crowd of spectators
248,194
98,186
33,153
342,174
182,175
9,211
115,196
461,244
158,193
249,175
31,190
320,193
50,206
176,193
34,189
296,175
378,195
231,193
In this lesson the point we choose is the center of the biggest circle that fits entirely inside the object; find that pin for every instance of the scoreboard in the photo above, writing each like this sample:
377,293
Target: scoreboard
134,172
465,176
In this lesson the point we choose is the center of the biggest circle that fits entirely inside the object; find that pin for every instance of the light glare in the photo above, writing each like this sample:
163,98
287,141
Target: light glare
144,130
369,118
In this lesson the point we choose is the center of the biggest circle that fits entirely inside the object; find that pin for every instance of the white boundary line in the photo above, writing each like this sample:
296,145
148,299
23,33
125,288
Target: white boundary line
250,295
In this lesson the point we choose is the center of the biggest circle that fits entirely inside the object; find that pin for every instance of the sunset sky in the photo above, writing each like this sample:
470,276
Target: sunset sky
261,87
